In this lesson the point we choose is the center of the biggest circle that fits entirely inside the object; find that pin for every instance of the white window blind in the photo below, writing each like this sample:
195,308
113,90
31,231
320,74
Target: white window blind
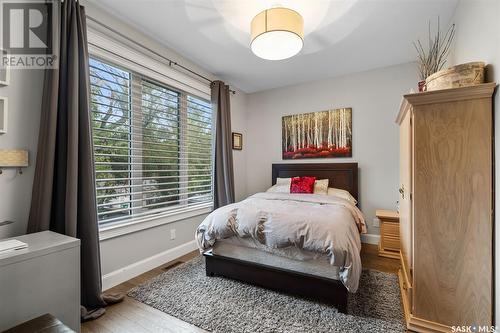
152,146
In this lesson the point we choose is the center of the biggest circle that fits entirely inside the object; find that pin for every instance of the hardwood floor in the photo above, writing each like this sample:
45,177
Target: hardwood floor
371,260
131,316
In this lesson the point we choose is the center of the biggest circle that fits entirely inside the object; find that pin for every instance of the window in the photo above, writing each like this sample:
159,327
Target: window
152,146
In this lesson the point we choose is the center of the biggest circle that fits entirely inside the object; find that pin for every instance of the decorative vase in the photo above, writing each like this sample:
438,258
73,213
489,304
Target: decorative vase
421,85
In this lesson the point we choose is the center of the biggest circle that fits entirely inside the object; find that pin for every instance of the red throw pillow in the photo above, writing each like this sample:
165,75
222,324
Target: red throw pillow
302,185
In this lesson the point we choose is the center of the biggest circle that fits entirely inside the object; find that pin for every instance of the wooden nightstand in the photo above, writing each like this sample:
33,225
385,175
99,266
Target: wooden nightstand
389,234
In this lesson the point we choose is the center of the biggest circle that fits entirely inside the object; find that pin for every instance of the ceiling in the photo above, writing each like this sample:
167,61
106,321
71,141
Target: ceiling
341,36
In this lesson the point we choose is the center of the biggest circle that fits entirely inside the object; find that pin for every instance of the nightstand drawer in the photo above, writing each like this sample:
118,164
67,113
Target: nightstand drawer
390,229
389,234
390,243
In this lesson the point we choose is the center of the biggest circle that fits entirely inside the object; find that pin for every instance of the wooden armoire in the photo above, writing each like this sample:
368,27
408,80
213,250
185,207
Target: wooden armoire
446,208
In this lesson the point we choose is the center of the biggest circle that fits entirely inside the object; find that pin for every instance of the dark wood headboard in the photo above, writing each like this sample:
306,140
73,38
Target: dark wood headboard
340,175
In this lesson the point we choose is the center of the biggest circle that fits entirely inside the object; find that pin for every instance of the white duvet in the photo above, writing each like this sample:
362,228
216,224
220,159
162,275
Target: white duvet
317,223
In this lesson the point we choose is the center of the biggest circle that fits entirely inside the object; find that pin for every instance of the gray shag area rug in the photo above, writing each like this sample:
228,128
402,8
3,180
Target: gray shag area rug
222,305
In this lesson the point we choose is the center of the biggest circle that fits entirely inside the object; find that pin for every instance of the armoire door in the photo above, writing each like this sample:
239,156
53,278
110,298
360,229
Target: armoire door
405,174
452,204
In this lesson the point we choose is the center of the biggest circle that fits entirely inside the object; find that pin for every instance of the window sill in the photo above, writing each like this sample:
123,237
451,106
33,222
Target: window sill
119,229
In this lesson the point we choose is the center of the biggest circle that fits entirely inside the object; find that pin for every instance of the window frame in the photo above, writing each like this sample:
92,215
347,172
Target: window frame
105,48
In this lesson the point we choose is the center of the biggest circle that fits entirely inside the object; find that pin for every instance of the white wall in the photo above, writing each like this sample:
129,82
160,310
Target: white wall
24,98
478,39
374,97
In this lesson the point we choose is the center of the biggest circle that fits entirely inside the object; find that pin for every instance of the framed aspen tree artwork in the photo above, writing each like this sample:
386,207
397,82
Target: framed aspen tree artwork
323,134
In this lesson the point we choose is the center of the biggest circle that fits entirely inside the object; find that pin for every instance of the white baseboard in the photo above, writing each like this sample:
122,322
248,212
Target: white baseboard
370,239
128,272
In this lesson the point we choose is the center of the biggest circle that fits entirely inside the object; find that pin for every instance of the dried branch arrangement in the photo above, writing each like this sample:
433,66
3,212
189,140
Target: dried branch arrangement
439,48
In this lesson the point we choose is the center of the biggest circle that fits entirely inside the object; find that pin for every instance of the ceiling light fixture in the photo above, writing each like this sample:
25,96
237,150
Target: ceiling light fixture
277,33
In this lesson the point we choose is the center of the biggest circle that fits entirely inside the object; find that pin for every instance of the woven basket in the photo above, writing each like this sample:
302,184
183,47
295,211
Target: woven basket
463,75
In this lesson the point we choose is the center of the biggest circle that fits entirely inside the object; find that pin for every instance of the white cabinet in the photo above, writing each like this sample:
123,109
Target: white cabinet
44,278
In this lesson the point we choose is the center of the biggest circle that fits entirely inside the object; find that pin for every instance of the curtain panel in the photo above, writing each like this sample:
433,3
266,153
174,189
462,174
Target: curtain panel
63,197
223,171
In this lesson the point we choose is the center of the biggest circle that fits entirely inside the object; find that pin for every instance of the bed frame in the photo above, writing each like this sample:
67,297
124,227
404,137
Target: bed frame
341,175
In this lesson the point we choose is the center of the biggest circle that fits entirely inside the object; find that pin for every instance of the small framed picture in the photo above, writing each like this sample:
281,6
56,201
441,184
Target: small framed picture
237,141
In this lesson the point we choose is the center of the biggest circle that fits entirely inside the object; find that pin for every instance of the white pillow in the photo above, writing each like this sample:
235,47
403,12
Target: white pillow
283,186
337,192
283,181
279,189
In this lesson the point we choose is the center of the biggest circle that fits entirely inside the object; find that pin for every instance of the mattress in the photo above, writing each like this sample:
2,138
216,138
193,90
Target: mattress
290,258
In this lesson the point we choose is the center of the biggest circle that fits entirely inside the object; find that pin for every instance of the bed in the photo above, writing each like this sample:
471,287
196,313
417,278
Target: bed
321,262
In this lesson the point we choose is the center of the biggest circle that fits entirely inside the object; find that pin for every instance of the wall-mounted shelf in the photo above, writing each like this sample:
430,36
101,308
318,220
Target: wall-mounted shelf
3,115
13,158
4,72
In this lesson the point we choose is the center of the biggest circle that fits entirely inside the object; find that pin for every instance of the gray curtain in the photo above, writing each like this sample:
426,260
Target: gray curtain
63,198
224,176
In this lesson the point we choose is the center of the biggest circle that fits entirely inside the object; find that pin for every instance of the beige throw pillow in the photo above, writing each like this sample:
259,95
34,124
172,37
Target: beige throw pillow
321,186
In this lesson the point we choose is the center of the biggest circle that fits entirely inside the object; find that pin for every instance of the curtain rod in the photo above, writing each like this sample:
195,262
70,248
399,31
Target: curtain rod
170,61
